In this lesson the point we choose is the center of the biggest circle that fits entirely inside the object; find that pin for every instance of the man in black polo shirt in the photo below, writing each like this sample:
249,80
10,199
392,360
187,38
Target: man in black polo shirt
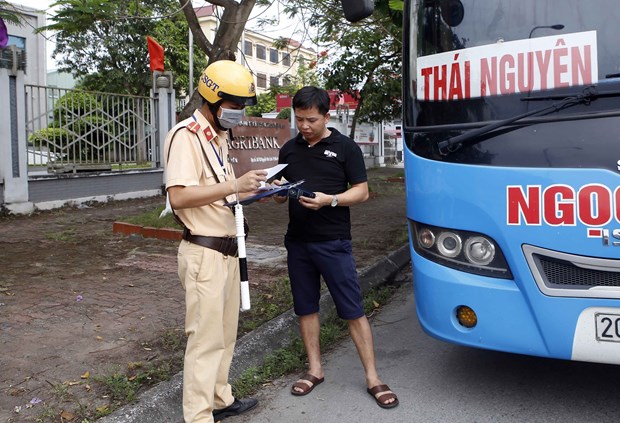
318,239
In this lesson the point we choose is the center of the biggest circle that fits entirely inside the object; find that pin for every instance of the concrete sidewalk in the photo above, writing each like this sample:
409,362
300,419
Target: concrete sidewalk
342,398
163,403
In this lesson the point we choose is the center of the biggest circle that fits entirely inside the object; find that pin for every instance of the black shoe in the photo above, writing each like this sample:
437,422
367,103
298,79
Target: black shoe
236,408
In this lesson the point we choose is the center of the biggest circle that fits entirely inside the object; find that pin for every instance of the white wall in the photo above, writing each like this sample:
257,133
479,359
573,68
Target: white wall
265,67
36,66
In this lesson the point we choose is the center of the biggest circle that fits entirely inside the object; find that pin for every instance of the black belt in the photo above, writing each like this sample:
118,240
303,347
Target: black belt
225,245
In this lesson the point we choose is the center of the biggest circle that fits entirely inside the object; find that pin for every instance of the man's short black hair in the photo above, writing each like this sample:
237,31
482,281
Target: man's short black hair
309,97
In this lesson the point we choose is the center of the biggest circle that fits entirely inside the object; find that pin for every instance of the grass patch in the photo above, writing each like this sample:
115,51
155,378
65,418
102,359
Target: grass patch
266,304
122,387
172,340
151,219
66,235
48,413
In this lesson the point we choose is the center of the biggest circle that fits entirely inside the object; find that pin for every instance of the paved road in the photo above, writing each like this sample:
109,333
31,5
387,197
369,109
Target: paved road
438,382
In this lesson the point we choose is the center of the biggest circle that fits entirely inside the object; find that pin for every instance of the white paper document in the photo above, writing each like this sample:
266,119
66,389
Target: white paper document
271,172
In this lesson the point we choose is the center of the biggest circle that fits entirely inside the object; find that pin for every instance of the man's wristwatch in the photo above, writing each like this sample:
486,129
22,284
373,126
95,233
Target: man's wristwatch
334,202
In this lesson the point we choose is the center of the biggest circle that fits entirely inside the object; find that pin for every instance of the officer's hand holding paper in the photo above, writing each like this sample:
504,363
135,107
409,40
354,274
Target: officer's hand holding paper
271,172
279,188
264,190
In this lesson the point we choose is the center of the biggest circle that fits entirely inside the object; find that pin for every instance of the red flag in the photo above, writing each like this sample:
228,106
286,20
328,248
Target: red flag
156,55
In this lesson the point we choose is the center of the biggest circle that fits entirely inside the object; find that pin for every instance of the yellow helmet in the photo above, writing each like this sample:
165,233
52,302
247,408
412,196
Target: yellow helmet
227,80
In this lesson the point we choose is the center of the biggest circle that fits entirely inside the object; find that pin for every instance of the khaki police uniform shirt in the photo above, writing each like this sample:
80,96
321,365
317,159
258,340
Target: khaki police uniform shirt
186,166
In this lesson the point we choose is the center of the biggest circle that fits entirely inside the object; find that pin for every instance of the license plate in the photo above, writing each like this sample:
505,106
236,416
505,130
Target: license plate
607,327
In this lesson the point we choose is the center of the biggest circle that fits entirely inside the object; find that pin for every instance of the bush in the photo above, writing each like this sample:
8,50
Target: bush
50,135
75,104
80,116
284,114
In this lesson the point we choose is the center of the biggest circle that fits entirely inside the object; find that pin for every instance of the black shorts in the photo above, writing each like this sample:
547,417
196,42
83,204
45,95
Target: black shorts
308,261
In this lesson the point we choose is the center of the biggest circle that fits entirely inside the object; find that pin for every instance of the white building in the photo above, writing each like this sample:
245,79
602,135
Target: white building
270,65
24,37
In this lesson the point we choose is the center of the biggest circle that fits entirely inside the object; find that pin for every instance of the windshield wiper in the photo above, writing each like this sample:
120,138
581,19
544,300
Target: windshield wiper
585,97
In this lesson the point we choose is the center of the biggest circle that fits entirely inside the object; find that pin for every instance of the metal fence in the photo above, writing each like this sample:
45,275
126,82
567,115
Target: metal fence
74,131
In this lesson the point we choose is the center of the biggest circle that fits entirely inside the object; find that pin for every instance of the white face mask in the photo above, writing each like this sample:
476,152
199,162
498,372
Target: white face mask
231,117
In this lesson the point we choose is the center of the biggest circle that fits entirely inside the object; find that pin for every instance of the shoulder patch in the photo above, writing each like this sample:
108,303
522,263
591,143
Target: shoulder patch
209,134
193,127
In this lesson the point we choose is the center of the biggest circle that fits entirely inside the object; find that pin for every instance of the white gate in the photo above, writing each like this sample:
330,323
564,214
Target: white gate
73,130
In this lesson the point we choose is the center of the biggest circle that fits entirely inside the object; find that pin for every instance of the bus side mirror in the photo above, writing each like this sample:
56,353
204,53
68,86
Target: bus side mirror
356,10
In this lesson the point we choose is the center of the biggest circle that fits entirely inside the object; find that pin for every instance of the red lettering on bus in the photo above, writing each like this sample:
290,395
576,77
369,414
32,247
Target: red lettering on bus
559,205
426,74
507,74
520,204
467,79
517,72
594,205
581,67
559,67
543,58
488,82
523,73
456,85
617,202
439,82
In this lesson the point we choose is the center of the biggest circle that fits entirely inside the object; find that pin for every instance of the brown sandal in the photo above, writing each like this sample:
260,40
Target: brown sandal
382,398
305,388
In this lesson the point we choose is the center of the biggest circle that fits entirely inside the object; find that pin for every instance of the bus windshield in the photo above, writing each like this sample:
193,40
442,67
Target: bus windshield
472,63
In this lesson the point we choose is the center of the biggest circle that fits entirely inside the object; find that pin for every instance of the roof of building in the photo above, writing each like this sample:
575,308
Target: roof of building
204,11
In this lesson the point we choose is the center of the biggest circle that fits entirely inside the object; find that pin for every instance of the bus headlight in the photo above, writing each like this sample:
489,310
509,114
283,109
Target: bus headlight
479,250
449,244
426,238
463,250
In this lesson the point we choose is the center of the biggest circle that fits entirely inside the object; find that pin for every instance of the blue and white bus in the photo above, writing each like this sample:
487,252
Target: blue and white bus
512,168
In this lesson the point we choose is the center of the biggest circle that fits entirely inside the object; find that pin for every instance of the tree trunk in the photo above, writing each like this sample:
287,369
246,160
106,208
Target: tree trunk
231,28
192,21
227,36
360,101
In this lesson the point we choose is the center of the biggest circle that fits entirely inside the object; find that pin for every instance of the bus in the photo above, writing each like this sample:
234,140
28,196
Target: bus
511,122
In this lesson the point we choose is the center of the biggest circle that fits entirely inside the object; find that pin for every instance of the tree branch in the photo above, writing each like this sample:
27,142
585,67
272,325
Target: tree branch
192,21
222,3
224,46
229,33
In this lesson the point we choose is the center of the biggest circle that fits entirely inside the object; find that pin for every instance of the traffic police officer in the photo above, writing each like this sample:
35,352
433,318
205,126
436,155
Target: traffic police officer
199,180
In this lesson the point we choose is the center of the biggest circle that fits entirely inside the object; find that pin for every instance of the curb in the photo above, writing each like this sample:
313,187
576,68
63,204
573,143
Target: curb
147,231
163,402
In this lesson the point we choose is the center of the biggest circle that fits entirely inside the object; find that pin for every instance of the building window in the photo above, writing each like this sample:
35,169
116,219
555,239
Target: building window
247,48
288,80
261,52
261,80
273,55
274,81
286,59
19,42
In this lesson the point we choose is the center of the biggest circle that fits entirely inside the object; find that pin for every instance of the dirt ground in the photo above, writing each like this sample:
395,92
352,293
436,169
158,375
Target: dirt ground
79,303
